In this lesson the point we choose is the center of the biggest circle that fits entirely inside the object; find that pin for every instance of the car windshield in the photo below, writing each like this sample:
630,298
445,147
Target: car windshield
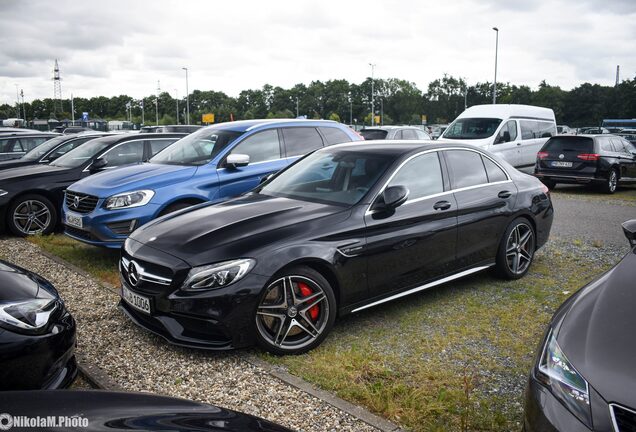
198,148
472,128
43,148
340,177
81,154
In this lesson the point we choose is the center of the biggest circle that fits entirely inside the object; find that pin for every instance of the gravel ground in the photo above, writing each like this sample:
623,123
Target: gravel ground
139,361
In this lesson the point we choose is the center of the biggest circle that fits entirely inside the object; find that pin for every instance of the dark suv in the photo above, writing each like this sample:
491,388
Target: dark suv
601,160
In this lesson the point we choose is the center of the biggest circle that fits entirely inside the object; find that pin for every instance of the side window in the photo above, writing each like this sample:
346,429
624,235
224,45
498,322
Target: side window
61,150
467,168
527,129
606,145
512,128
261,146
6,145
398,135
507,133
409,134
159,144
301,140
31,143
16,146
617,144
495,174
421,135
126,153
422,175
334,135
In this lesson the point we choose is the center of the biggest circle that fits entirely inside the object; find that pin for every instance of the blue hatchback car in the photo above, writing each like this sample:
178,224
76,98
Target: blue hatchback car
213,164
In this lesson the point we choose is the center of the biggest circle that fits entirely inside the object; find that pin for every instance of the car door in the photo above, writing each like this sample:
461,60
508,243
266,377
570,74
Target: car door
508,144
485,198
627,152
416,242
265,157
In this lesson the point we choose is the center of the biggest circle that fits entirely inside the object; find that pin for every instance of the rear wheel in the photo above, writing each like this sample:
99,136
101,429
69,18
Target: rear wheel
296,312
31,214
611,183
516,250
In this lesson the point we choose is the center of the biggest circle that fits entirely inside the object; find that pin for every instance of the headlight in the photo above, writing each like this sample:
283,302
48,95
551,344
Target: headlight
129,199
566,384
218,275
3,192
30,316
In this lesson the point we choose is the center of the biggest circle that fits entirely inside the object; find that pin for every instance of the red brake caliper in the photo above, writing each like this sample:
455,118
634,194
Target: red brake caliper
306,292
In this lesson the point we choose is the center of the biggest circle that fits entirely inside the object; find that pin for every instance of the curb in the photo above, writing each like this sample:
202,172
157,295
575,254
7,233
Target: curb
101,380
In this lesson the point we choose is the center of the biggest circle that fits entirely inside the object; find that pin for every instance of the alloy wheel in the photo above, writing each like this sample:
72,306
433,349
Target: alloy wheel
293,312
520,248
32,217
612,182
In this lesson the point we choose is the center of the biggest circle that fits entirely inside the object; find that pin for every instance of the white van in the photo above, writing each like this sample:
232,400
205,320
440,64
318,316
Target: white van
515,132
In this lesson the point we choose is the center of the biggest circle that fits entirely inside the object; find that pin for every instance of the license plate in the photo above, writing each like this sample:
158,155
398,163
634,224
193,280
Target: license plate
135,300
74,220
558,164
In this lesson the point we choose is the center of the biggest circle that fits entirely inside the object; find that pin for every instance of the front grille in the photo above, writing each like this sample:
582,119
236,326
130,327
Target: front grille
624,418
79,202
150,278
80,233
123,227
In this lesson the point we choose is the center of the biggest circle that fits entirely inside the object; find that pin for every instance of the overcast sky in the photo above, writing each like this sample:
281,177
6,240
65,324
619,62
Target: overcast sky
124,47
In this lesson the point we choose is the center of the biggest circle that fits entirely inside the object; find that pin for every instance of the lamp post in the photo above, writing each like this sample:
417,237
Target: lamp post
187,97
372,93
350,109
176,96
494,86
23,108
296,106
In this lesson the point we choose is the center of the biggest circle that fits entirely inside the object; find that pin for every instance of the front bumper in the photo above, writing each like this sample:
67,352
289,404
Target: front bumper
45,361
98,226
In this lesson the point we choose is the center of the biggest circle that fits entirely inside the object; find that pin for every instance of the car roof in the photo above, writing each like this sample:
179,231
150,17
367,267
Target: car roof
397,147
248,125
27,135
389,127
111,139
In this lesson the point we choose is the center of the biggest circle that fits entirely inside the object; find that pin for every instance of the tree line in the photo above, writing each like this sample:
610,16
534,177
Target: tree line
397,101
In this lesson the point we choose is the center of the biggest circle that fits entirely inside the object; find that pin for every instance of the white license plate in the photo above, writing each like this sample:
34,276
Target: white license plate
74,220
135,300
558,164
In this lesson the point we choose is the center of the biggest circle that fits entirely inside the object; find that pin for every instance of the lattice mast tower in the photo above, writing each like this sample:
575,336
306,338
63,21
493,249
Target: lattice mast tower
57,89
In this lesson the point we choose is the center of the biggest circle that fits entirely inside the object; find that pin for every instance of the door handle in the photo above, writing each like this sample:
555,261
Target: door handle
442,205
504,194
519,143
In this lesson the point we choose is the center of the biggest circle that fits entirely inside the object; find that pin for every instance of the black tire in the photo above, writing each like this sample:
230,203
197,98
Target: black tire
611,182
550,184
174,207
32,214
513,248
276,312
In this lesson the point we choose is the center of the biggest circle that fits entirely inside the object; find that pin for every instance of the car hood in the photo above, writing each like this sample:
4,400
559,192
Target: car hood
133,177
596,333
19,284
23,173
240,227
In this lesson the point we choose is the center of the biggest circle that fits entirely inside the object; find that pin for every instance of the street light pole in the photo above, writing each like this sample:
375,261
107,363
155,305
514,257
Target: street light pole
176,94
372,93
494,86
350,109
187,97
296,106
23,108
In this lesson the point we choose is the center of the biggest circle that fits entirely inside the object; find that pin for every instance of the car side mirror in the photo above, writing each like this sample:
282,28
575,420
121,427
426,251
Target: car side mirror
236,160
98,164
391,198
629,229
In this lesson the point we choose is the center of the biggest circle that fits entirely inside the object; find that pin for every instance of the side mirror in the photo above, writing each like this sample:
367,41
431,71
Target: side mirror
236,160
98,164
391,198
629,229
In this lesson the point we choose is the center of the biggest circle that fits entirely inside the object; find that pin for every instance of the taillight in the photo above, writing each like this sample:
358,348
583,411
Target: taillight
542,155
589,156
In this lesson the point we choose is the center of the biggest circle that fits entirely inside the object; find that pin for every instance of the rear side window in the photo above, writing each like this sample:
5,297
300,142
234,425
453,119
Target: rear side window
495,174
301,140
467,168
531,129
421,135
373,134
606,145
562,144
31,143
334,135
157,145
409,134
422,175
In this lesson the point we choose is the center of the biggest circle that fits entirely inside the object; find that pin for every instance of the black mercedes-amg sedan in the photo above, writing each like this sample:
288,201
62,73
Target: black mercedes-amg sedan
344,229
584,376
37,334
31,196
111,411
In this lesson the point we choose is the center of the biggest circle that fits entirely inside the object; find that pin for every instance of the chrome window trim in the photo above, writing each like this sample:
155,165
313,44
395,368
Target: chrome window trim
509,180
425,286
613,417
113,148
143,274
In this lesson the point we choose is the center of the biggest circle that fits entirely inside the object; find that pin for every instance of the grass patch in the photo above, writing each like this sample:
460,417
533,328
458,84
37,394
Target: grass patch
100,263
626,194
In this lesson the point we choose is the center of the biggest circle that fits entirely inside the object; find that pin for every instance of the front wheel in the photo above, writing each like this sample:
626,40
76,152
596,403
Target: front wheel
296,312
31,214
516,250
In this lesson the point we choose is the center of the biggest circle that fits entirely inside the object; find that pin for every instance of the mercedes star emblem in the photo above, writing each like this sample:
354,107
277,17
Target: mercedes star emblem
133,273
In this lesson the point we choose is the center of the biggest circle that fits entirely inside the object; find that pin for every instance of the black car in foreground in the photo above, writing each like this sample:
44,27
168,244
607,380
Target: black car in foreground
117,411
584,375
346,228
37,334
601,160
31,196
50,150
